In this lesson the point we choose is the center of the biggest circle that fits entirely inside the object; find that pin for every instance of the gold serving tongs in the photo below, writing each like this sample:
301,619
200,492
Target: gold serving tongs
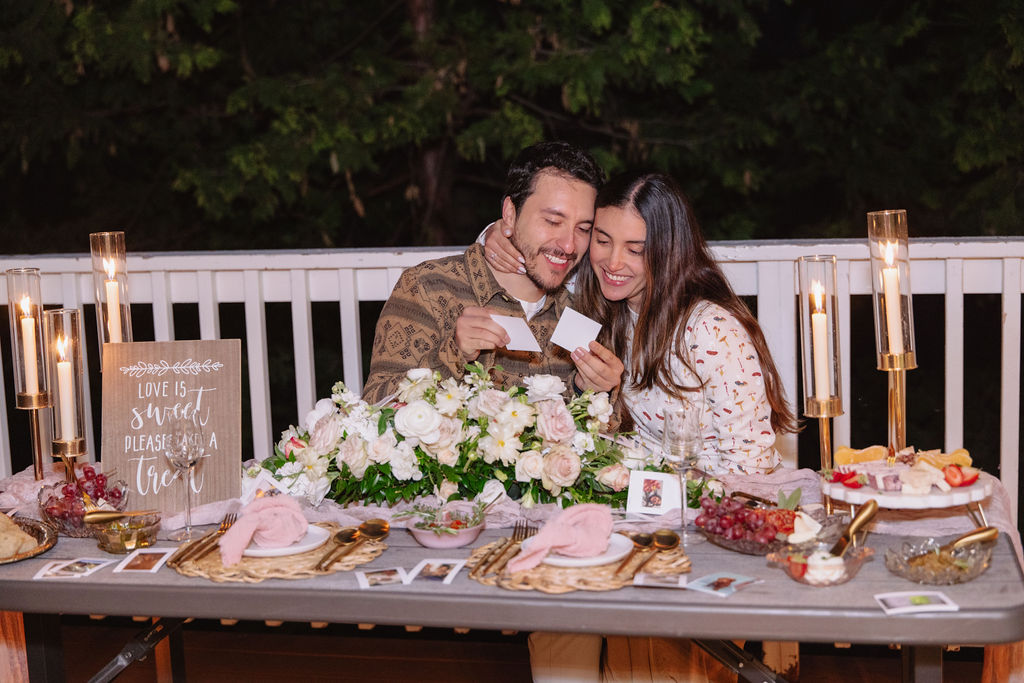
864,515
979,535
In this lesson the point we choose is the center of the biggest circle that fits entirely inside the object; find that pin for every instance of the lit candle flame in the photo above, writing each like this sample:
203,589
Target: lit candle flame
62,348
889,252
110,267
817,297
26,306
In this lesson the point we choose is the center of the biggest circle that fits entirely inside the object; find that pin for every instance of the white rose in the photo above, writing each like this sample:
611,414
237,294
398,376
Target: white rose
583,442
529,466
415,384
447,489
383,446
403,463
324,406
418,420
543,388
354,453
488,402
600,407
325,435
448,434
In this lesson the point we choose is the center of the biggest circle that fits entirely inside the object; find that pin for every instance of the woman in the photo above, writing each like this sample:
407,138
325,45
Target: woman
685,338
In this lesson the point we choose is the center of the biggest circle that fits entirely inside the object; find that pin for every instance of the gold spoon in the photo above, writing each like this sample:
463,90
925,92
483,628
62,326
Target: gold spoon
346,536
641,540
370,530
664,539
99,516
980,535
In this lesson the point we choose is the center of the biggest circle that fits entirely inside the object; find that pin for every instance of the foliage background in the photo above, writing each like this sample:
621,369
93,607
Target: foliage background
210,124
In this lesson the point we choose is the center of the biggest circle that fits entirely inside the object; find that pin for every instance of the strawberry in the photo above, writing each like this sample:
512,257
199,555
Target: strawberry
797,566
842,477
970,475
954,475
853,483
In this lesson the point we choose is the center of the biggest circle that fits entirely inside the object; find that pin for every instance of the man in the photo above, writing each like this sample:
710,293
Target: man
438,315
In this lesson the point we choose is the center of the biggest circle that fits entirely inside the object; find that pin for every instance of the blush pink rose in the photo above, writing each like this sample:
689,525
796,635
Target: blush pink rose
554,422
615,477
561,468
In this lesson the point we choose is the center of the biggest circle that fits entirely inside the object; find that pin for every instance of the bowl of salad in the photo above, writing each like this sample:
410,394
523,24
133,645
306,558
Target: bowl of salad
451,525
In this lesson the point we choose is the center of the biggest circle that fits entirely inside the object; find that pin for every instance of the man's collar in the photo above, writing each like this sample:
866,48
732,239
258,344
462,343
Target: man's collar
486,287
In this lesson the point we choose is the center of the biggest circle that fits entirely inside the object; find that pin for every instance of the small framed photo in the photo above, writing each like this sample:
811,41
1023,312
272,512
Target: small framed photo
722,584
653,493
435,571
912,602
147,560
381,577
660,581
262,485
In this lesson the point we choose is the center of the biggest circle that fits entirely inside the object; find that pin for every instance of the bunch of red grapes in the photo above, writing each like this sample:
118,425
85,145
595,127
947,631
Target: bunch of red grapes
69,505
732,519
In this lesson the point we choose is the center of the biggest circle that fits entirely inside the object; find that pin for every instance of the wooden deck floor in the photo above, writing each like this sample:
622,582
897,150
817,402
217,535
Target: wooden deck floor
297,652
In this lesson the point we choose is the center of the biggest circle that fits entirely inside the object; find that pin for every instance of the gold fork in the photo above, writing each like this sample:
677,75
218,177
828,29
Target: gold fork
495,554
207,543
528,531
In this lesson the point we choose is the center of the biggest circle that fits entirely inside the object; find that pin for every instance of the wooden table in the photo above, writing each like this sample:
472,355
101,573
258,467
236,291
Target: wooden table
992,606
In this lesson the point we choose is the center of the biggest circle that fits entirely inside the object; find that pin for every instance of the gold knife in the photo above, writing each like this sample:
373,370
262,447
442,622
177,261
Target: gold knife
499,547
188,547
506,557
208,539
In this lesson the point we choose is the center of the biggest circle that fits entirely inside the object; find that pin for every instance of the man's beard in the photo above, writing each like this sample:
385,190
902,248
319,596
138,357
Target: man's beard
532,256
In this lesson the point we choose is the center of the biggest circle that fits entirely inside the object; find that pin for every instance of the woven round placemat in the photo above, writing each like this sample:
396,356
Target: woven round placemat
549,579
300,566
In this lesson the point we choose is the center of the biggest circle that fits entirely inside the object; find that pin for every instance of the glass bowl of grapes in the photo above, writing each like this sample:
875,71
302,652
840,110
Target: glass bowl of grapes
738,523
63,504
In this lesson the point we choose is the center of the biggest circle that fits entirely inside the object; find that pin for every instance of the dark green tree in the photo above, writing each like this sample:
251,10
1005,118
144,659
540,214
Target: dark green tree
219,124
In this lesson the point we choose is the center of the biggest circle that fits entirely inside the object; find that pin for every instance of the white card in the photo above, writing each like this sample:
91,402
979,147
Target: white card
653,493
520,333
911,602
437,571
381,577
575,330
147,560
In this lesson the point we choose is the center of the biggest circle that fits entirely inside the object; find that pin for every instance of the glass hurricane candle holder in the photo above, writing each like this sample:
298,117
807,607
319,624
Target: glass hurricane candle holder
62,335
819,336
24,306
890,285
110,278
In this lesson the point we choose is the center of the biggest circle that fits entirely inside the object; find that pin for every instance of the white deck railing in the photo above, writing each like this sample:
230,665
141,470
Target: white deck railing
950,267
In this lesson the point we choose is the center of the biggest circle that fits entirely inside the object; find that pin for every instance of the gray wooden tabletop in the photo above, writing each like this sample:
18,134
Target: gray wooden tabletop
991,606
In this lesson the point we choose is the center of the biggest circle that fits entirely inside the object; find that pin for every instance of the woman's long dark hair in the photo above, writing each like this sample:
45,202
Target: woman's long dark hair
681,273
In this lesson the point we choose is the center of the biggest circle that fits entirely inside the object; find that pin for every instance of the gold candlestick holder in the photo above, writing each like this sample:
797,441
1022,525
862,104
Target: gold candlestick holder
24,306
894,313
819,341
63,339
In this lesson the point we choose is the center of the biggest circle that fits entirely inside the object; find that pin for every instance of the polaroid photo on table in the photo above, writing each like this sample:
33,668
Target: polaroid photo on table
435,571
82,566
262,486
912,602
653,493
660,580
722,584
381,577
146,560
50,571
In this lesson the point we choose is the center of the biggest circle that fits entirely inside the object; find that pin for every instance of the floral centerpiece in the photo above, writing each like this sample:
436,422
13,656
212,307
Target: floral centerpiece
451,438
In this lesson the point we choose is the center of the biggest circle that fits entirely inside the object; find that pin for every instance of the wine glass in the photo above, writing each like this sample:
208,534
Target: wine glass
183,450
681,446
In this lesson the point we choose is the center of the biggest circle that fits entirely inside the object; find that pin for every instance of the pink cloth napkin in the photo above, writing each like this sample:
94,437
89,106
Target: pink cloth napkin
272,522
579,531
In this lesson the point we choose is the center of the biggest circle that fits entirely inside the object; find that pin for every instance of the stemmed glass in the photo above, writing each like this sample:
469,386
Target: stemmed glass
681,446
183,450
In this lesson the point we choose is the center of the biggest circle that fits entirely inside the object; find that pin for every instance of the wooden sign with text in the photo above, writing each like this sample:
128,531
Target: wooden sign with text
148,385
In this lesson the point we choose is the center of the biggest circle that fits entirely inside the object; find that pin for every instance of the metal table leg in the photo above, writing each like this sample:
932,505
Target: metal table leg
43,647
921,664
746,667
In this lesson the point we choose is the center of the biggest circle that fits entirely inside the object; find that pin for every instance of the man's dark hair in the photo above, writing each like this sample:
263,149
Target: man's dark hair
556,157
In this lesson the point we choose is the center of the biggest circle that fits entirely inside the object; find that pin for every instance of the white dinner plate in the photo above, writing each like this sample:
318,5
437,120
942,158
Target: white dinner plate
315,537
618,547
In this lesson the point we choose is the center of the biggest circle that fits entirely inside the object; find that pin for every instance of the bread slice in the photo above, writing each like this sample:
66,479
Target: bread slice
845,455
